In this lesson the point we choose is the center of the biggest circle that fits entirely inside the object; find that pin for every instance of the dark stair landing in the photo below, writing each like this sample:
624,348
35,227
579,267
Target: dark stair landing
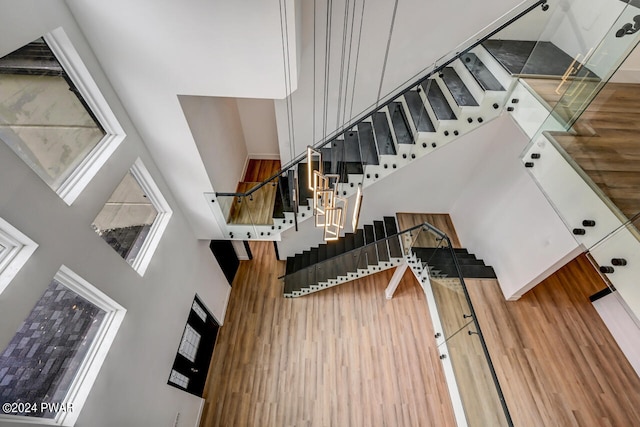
442,265
532,58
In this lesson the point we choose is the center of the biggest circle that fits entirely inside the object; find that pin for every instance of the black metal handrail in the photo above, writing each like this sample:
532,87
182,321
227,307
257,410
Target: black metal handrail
391,96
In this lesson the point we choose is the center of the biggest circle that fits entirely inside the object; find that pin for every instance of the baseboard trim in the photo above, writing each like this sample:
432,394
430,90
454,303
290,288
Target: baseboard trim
263,156
198,418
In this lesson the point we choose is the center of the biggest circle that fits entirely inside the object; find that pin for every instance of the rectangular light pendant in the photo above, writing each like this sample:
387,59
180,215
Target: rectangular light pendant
356,209
332,224
311,153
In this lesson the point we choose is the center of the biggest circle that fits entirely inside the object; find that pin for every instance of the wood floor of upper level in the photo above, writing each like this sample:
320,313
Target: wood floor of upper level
346,356
605,144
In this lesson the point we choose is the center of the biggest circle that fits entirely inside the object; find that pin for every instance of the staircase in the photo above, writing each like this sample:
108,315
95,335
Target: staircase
374,248
468,92
369,250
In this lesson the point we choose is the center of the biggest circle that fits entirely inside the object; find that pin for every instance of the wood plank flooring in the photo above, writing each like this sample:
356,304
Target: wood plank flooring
345,356
257,209
606,144
259,170
477,389
557,362
348,357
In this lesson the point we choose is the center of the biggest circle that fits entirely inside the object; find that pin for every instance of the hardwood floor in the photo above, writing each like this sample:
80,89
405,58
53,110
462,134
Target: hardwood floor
606,144
259,170
257,209
557,362
345,356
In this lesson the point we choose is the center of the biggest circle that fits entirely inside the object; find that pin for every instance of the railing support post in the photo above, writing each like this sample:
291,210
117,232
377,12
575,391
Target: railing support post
395,279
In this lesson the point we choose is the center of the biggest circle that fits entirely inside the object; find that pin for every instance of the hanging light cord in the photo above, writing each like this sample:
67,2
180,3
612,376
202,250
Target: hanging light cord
284,30
386,53
355,71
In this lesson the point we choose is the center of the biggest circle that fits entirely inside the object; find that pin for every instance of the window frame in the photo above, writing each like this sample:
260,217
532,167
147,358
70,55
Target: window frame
152,191
71,62
88,371
19,249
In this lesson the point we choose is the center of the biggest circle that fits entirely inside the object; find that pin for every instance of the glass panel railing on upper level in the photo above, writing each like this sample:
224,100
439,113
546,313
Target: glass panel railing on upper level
582,147
566,54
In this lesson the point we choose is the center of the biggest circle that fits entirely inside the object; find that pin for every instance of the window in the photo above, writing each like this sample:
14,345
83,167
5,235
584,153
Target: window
15,250
54,357
178,379
134,218
189,344
53,116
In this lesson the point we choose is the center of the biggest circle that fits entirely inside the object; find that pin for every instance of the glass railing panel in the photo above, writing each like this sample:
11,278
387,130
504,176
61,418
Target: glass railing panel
449,295
585,209
605,52
228,206
482,403
582,155
257,208
618,259
462,348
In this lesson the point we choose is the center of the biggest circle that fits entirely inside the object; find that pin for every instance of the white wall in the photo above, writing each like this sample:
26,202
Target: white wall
423,32
258,117
131,388
154,50
629,71
503,217
624,326
217,131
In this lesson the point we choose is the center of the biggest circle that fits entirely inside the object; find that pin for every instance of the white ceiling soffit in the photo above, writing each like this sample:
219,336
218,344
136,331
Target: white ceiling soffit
154,50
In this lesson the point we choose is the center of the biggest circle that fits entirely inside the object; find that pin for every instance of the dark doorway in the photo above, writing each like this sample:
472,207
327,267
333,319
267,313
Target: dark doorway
226,256
191,365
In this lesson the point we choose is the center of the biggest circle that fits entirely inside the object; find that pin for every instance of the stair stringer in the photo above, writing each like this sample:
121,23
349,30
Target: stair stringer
350,276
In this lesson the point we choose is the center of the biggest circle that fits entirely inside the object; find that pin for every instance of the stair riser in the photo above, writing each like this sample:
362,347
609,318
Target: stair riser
494,67
469,81
450,99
